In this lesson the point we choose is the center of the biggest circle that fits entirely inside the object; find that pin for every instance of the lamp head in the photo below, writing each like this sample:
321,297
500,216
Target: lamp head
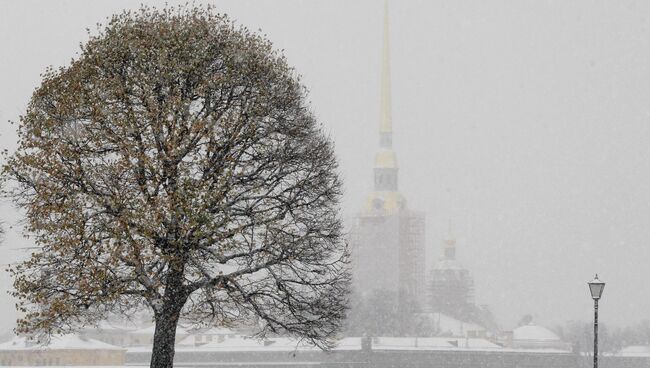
596,288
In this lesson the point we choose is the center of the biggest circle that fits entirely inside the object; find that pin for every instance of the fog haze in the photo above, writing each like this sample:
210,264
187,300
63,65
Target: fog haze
524,122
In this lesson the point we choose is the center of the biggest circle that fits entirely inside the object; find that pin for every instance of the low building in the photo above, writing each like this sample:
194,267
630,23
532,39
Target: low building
144,336
61,350
356,352
205,336
447,326
114,333
635,351
536,337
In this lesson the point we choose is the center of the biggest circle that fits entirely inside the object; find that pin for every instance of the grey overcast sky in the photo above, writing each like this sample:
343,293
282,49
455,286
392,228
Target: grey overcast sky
525,122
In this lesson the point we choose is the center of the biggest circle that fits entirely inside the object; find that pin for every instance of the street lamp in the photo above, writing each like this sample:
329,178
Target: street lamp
596,288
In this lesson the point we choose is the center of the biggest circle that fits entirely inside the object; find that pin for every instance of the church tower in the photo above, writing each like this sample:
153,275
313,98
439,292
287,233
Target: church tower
388,238
451,287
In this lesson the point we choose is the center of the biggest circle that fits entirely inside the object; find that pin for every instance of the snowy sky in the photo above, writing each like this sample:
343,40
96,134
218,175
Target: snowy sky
526,122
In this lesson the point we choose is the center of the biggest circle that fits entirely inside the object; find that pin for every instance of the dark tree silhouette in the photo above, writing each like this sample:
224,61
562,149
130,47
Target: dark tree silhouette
175,164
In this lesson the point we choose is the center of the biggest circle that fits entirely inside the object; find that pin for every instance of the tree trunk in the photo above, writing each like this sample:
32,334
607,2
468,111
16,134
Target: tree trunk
164,338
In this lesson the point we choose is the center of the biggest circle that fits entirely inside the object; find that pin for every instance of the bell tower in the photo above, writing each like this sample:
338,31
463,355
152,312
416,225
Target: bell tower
388,239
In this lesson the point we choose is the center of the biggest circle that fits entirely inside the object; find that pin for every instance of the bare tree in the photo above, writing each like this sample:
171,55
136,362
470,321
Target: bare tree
175,164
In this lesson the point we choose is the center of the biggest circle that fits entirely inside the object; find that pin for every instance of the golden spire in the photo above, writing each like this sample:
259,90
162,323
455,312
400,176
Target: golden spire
385,197
386,123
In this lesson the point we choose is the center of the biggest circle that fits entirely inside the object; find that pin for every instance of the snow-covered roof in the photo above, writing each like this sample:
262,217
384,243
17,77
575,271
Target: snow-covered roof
349,343
431,343
537,350
453,326
193,337
151,329
242,343
635,351
187,341
532,332
215,331
284,343
478,343
238,343
116,326
409,343
58,342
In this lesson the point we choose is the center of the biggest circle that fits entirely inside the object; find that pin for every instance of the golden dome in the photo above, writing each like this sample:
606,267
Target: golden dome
385,201
386,159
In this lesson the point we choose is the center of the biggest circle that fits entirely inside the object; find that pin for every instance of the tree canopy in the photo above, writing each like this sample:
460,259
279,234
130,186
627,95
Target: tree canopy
175,164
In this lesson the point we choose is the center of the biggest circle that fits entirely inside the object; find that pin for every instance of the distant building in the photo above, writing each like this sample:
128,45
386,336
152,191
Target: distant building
111,332
635,351
532,336
444,325
367,352
144,336
388,238
451,287
62,350
205,336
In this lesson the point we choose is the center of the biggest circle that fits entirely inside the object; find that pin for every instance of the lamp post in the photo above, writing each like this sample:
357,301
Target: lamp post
596,288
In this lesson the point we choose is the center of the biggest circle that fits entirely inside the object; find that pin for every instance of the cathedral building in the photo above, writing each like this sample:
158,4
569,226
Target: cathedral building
388,238
388,248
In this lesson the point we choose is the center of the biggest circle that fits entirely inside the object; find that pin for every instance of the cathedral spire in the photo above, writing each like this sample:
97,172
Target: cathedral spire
385,196
386,125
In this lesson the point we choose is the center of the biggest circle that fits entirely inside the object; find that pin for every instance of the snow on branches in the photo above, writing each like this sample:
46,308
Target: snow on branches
176,164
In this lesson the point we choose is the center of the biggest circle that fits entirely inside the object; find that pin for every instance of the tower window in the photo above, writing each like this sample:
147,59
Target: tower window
377,204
